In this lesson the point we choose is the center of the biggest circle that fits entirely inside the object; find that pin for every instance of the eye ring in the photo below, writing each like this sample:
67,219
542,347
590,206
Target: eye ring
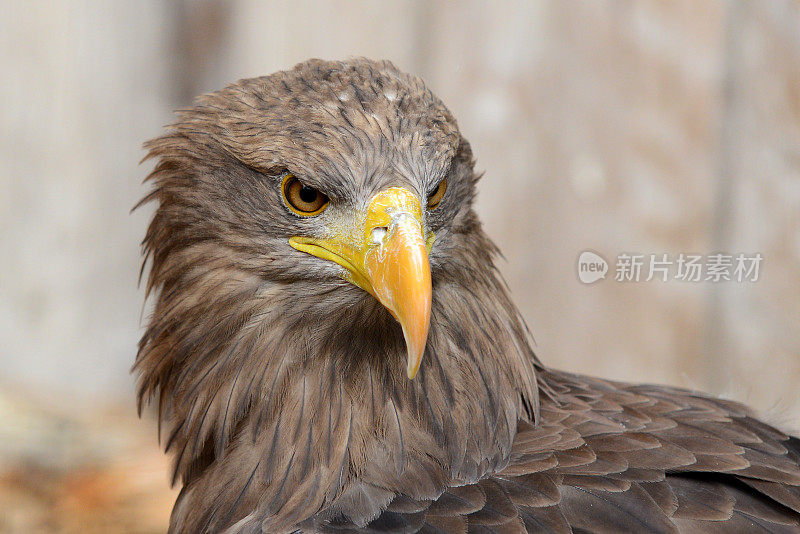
302,200
435,198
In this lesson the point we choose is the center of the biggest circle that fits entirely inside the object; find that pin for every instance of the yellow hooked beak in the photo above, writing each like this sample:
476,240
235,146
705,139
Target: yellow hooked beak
386,254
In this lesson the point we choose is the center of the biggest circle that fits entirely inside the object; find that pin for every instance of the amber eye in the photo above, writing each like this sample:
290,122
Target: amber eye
301,199
436,196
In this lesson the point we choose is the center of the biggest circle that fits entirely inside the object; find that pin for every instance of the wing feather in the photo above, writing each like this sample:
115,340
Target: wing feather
608,457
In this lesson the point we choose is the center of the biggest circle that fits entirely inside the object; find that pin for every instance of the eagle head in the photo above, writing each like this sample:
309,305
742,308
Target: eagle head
313,247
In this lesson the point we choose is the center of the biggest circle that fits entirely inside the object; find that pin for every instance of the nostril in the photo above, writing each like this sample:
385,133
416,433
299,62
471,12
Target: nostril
378,233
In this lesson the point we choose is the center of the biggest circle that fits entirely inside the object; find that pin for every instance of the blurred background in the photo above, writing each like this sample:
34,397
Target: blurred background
638,127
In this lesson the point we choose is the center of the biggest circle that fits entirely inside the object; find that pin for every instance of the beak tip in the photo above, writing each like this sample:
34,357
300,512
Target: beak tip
411,371
414,360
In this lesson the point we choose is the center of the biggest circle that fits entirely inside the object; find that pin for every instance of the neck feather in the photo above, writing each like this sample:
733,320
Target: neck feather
296,412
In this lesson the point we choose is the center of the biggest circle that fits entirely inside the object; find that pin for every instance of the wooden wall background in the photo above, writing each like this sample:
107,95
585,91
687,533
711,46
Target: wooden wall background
624,126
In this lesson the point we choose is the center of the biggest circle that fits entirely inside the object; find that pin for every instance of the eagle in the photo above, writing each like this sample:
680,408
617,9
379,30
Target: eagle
332,349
